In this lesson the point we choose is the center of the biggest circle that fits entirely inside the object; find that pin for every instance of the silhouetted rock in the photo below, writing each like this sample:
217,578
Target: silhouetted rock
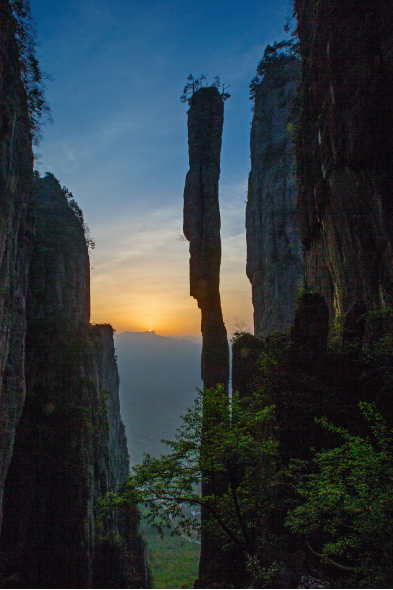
202,229
70,446
274,258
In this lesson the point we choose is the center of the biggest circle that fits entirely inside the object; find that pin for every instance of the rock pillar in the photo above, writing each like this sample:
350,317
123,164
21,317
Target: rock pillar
202,230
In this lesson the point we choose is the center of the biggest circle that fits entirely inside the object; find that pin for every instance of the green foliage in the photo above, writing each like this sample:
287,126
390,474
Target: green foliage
194,84
348,501
234,451
273,56
73,205
172,561
32,76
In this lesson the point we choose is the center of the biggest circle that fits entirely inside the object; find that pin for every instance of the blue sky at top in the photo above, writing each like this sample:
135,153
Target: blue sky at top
119,141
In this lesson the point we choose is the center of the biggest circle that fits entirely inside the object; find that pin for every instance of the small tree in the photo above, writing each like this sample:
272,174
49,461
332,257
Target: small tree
194,84
347,506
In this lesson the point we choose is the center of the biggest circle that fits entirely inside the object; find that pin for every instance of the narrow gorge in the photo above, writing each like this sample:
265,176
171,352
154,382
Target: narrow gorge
283,465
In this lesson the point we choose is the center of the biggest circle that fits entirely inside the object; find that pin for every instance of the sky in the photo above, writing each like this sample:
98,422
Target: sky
119,142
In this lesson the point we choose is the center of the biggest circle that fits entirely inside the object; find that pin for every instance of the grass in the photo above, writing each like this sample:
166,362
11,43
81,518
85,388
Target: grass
173,561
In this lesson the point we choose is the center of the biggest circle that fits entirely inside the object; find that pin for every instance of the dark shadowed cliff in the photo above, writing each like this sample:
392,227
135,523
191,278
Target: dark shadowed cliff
16,233
70,446
274,259
344,150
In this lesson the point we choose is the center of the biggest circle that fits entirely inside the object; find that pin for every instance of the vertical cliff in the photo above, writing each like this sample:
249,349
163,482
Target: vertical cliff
70,445
16,233
344,150
274,259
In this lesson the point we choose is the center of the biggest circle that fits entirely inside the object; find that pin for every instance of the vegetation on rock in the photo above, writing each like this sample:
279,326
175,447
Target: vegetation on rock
33,77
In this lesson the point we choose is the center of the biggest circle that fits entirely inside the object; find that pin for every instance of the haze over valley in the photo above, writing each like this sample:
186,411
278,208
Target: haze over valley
158,381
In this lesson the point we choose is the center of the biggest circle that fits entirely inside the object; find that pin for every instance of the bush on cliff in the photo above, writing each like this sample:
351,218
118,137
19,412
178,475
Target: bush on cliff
347,508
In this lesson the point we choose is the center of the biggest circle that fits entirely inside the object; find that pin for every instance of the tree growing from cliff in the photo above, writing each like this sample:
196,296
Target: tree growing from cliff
73,205
233,447
32,76
273,56
194,84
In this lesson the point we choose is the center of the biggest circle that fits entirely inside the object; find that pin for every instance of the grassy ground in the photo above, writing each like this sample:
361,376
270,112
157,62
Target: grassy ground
173,561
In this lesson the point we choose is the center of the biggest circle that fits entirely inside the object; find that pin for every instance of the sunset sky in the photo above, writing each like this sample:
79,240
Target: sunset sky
119,142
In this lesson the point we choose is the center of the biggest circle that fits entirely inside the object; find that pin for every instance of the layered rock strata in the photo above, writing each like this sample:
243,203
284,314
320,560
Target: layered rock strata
202,229
274,257
344,150
16,233
70,446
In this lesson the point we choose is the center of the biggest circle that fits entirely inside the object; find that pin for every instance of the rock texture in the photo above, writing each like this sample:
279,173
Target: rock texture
344,150
202,230
70,446
274,258
16,233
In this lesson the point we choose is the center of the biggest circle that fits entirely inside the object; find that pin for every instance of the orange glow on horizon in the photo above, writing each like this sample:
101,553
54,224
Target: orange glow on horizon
142,279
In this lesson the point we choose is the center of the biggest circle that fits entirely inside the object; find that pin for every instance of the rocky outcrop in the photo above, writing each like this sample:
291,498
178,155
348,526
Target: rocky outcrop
202,228
344,150
274,258
70,446
16,233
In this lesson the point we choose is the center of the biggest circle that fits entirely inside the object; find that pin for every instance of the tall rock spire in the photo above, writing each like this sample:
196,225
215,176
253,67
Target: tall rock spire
202,230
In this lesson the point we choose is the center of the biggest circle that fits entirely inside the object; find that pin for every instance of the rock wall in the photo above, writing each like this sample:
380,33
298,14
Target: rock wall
70,446
16,233
274,257
344,150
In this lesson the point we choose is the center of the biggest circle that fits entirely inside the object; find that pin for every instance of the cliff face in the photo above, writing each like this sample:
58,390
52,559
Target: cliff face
274,259
70,446
202,228
344,150
16,233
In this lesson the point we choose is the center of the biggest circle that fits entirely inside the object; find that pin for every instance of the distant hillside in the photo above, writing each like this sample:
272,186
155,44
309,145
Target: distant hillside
158,378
